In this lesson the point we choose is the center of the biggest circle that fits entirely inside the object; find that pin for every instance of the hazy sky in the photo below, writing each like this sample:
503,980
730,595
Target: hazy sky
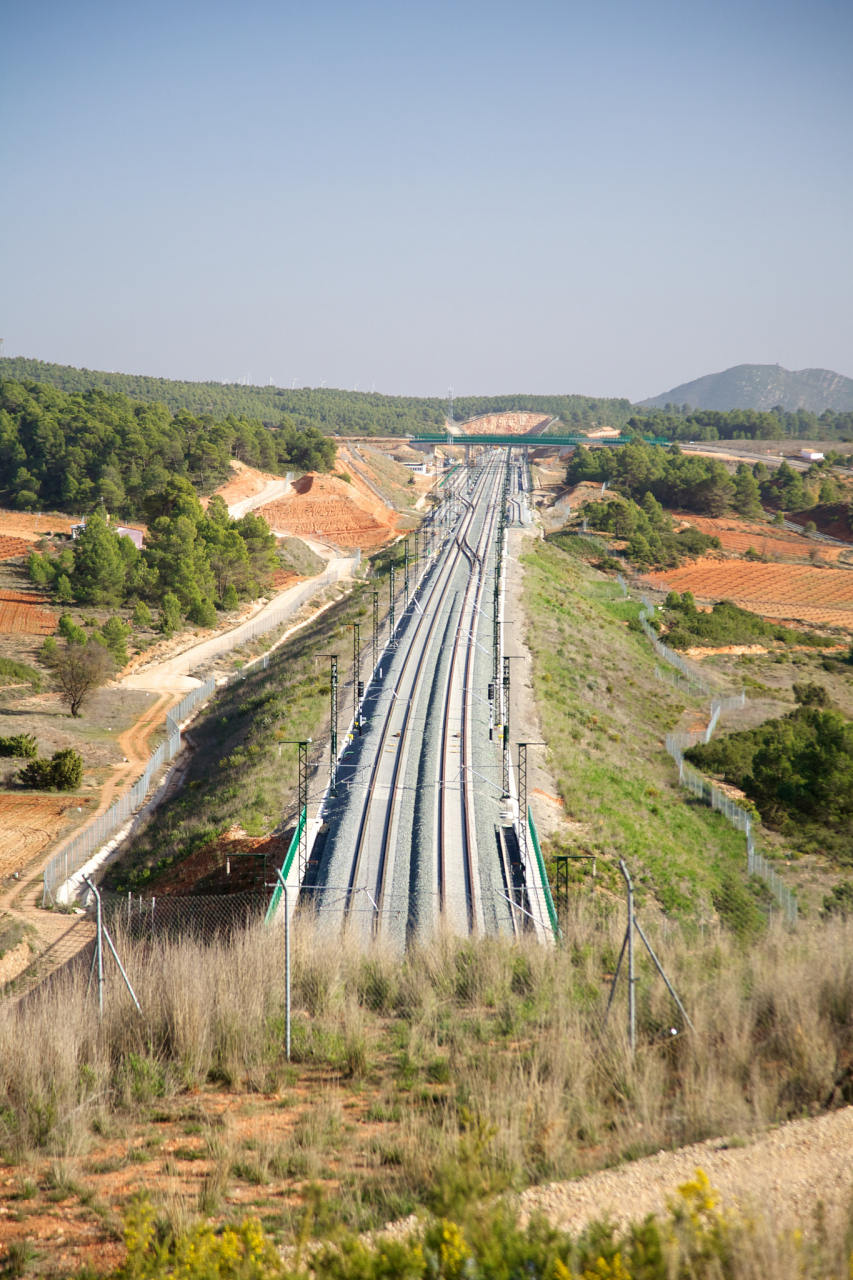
603,197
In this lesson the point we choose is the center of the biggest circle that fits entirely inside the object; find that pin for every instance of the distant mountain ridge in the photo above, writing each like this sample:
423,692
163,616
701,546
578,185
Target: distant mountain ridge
762,387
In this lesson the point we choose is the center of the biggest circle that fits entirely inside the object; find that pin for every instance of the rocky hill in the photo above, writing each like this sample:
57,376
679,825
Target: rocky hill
763,387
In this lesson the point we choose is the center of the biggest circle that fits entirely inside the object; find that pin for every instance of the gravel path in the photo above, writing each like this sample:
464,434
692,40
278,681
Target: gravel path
780,1175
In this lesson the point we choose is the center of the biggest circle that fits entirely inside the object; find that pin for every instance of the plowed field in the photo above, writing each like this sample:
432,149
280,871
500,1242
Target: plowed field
27,524
783,591
324,506
11,547
19,612
739,536
29,823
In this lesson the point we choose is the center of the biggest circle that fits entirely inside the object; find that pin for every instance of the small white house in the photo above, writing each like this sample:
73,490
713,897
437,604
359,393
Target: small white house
808,456
124,531
135,535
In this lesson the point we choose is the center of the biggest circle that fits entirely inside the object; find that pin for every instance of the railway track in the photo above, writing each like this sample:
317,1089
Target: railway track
385,870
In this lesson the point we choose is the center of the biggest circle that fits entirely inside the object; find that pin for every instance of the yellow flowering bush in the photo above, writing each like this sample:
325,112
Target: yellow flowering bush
694,1241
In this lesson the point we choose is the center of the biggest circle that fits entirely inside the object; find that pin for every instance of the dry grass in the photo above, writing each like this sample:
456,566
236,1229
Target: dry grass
509,1034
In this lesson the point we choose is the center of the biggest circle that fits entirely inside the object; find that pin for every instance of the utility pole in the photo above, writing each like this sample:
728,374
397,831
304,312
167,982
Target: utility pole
357,686
375,629
406,574
333,717
302,819
391,606
505,722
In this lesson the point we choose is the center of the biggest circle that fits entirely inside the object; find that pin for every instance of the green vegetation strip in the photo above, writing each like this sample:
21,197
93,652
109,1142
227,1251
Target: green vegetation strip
605,717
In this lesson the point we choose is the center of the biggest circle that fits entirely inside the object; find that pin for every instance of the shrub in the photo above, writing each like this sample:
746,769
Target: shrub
229,597
22,746
113,635
202,612
811,695
49,652
69,630
63,772
840,901
141,614
40,569
18,671
170,614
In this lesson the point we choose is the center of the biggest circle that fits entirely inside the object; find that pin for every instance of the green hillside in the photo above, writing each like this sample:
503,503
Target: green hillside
328,409
62,451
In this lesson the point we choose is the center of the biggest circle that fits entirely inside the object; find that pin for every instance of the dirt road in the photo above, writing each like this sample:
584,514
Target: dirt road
272,489
780,1176
172,672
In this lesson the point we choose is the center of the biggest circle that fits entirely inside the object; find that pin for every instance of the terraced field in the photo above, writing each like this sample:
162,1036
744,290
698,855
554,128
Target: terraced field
739,536
785,591
11,547
19,612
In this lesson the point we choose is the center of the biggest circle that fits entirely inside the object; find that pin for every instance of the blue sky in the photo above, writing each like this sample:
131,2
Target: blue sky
606,198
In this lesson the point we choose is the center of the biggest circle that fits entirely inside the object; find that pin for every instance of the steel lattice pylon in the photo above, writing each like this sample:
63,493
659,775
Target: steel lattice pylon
505,721
356,677
333,722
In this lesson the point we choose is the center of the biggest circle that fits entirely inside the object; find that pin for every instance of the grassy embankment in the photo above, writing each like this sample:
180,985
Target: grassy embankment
605,717
395,1063
244,767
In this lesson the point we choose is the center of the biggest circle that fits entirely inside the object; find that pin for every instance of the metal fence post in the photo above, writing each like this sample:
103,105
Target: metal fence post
286,962
632,1005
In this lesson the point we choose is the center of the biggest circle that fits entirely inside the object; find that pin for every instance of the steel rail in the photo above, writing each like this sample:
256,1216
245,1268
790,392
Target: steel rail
470,603
420,645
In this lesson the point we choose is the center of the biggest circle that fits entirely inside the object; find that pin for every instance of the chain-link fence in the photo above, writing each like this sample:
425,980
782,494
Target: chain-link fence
267,620
209,916
699,785
205,916
687,669
76,853
676,681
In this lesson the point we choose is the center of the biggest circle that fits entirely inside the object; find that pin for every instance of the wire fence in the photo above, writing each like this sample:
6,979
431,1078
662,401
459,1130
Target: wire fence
212,916
77,852
687,669
698,784
205,916
682,683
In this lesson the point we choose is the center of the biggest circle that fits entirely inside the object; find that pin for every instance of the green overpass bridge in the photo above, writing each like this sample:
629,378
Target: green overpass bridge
525,442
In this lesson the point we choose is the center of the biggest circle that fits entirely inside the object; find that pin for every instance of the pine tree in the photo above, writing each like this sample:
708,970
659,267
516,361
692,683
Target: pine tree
747,497
99,567
141,614
170,614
